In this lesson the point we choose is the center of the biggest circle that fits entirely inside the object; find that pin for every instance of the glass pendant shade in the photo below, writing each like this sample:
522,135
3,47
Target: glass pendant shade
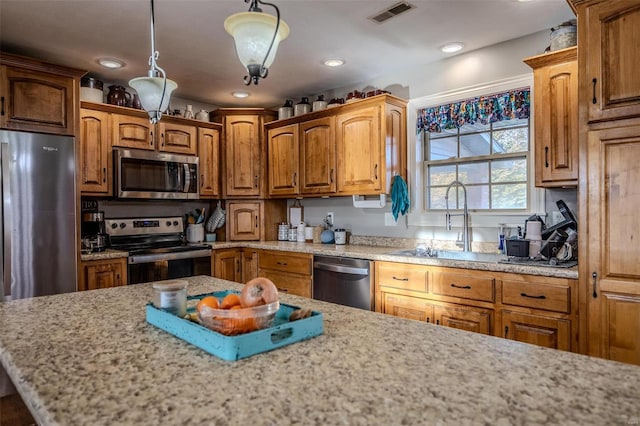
154,96
253,32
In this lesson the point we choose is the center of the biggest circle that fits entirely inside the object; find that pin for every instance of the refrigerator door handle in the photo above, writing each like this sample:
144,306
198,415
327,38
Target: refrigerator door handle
5,246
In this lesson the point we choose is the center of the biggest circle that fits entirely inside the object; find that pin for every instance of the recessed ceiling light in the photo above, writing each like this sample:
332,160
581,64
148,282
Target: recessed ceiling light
240,94
452,47
111,63
334,62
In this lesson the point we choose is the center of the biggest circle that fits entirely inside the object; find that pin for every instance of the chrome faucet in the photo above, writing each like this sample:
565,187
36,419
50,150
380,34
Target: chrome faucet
465,214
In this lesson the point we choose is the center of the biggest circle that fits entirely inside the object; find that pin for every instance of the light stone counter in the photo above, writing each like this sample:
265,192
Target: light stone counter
371,253
90,358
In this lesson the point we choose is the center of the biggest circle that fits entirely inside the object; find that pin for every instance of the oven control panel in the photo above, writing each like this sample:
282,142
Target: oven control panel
144,226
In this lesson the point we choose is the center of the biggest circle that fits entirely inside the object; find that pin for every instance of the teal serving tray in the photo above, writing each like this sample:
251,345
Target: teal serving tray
232,348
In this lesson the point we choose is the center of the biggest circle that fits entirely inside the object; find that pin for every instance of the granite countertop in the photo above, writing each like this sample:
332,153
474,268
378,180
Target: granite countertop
91,358
375,253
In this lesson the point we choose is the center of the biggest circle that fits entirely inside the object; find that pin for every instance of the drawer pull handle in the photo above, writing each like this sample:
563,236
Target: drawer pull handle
533,297
104,175
594,275
400,279
331,175
2,107
506,331
151,138
283,290
437,322
282,263
594,100
465,287
546,157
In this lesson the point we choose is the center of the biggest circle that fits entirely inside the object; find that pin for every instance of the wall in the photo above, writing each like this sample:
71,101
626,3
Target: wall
482,66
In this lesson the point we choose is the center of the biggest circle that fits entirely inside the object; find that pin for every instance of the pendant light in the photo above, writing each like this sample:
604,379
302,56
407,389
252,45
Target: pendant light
155,89
256,36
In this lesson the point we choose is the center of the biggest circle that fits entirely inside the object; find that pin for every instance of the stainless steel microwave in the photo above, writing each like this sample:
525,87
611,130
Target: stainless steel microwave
157,175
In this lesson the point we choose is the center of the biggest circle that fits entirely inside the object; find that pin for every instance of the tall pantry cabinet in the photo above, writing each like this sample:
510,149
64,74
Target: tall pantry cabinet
609,193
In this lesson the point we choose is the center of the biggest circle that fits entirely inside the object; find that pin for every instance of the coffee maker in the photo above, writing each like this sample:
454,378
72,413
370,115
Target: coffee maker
93,232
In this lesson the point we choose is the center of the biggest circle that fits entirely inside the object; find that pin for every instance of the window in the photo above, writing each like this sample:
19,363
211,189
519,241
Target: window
493,158
489,159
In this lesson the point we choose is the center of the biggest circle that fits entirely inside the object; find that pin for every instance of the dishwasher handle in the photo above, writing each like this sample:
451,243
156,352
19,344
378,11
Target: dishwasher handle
340,268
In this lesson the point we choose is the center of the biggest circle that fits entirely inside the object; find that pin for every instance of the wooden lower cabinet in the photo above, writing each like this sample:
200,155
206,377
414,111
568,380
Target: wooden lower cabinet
235,264
532,309
537,329
620,330
97,274
290,272
467,318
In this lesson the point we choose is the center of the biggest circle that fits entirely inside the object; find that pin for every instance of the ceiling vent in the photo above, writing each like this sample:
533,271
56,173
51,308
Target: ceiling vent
391,12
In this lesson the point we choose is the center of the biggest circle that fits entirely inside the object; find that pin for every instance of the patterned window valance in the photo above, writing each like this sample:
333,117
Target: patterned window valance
483,109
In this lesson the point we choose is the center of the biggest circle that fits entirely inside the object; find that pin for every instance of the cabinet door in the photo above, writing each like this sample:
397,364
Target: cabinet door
318,156
612,251
95,150
37,101
242,153
537,329
407,307
209,154
103,274
132,132
299,285
282,163
177,138
556,124
358,139
249,264
244,221
621,327
226,264
612,32
466,318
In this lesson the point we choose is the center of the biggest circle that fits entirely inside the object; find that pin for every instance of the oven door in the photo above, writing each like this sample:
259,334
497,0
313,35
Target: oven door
148,174
166,266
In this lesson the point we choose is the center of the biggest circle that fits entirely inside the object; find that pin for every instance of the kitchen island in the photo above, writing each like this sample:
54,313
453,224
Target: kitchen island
91,358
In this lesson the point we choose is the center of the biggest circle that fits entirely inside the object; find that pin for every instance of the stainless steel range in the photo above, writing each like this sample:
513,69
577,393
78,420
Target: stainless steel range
157,249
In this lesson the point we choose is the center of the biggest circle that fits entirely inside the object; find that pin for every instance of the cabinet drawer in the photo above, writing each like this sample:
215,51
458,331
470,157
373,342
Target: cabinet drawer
286,262
464,286
537,295
289,283
404,276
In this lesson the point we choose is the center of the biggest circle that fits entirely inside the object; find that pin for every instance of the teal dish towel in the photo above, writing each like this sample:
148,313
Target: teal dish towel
399,197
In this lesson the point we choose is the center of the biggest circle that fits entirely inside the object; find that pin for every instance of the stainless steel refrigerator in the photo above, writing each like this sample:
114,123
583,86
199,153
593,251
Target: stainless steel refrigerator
38,249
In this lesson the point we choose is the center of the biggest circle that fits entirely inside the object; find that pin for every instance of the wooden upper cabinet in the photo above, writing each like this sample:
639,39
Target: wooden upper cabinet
134,130
209,154
244,167
283,161
244,220
95,152
177,138
353,149
35,96
358,139
131,131
610,30
318,156
555,94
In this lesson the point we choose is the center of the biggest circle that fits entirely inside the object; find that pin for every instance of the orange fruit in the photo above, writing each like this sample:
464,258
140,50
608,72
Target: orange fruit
231,299
209,301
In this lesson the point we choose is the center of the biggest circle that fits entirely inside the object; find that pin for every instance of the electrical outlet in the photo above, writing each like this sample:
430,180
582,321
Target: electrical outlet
331,218
556,217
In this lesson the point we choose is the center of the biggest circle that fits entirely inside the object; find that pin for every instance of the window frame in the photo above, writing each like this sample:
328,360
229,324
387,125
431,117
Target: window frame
419,215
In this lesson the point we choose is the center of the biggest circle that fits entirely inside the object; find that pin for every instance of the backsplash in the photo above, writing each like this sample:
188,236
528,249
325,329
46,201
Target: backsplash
410,243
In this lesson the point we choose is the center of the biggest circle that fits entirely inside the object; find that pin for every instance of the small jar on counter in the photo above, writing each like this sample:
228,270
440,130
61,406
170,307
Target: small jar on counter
340,235
171,296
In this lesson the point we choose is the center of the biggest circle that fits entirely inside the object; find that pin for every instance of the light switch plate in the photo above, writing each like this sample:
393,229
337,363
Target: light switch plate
389,220
556,217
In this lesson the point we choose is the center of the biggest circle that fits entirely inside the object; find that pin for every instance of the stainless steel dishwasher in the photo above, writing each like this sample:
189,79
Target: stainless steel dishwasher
342,280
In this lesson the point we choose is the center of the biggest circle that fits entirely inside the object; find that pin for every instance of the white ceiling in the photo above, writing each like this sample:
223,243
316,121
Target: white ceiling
199,55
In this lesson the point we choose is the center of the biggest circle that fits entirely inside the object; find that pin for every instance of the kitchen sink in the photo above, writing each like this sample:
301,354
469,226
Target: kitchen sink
452,255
